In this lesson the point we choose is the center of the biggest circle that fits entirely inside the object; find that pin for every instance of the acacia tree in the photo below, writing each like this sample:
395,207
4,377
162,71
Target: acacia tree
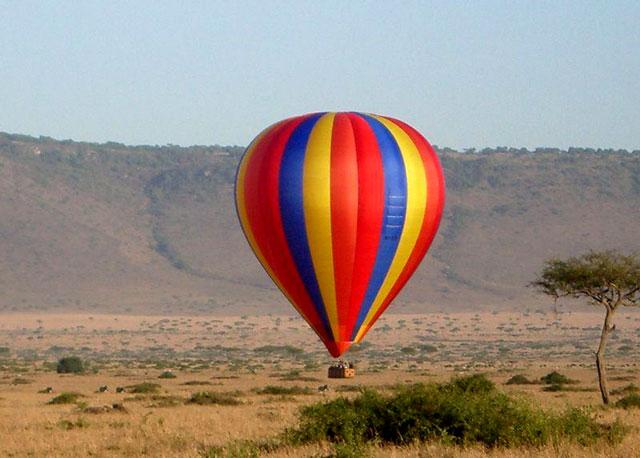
608,279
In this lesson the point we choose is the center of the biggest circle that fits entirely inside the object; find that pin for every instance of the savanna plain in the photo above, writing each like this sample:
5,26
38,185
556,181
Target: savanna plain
238,385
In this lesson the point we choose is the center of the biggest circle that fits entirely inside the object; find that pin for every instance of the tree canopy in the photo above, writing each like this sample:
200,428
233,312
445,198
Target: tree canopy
607,278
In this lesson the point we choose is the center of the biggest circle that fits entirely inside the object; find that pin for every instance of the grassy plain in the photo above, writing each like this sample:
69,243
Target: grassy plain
238,358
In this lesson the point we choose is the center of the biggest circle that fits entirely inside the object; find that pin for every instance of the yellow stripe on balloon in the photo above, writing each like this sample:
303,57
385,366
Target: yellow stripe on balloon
416,204
244,219
316,191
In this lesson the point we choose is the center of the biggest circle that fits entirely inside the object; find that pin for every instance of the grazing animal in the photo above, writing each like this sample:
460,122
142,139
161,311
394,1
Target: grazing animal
323,388
119,389
103,388
118,407
48,390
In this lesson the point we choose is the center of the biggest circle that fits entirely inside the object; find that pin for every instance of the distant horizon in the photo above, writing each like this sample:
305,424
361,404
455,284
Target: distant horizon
470,150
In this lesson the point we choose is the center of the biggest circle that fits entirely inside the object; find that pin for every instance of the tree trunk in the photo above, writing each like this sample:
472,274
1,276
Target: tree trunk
602,373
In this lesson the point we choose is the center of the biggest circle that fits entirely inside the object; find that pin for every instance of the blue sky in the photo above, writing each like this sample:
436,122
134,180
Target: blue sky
466,74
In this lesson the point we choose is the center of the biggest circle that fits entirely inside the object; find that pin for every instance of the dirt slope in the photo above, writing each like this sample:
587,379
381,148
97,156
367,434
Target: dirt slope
153,229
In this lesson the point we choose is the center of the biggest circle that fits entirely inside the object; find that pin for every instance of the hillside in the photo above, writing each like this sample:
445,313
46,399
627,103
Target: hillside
109,227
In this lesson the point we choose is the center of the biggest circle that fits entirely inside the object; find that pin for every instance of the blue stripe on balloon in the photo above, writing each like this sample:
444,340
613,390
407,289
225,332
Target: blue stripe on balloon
395,206
292,211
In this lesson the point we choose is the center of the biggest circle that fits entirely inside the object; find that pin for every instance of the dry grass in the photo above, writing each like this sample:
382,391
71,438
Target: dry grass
152,427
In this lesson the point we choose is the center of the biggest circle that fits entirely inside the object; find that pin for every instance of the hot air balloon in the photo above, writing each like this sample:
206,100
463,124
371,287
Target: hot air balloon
340,208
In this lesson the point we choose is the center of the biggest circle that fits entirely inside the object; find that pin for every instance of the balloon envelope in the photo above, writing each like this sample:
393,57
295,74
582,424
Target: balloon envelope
340,208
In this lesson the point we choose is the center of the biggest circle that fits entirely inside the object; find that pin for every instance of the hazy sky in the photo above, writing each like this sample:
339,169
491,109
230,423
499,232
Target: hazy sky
466,74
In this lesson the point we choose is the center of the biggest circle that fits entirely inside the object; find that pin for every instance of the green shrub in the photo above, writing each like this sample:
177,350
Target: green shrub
144,387
554,387
519,379
211,398
167,374
159,400
67,397
556,378
464,411
284,390
476,383
629,401
70,365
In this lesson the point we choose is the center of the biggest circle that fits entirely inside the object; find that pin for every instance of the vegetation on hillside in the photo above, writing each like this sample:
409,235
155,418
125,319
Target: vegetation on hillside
149,212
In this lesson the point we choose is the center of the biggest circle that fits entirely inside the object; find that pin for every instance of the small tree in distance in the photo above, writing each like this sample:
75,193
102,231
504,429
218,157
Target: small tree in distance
70,365
608,278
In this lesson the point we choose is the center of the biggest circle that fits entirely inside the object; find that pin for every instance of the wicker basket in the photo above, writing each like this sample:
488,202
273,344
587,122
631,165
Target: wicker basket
342,372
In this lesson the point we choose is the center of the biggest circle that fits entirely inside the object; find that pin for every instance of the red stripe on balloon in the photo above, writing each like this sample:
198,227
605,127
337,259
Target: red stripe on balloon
433,212
344,215
263,213
370,209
